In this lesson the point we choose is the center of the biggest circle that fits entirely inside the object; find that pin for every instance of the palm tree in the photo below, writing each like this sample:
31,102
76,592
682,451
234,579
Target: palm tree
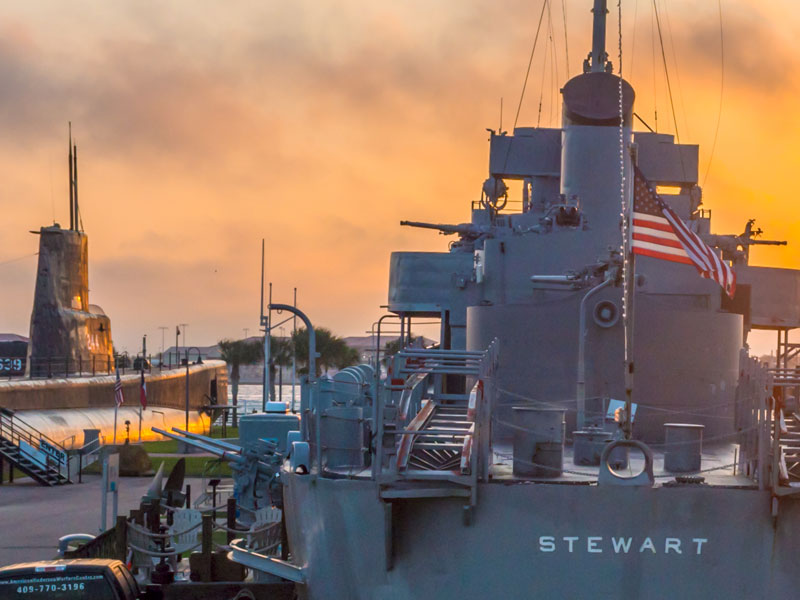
280,355
333,351
393,347
237,353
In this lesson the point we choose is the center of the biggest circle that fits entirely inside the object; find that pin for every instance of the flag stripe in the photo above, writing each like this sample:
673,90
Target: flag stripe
653,224
656,233
663,255
659,232
661,248
644,237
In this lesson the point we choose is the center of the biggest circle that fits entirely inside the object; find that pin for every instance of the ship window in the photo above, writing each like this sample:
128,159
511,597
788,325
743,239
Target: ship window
670,190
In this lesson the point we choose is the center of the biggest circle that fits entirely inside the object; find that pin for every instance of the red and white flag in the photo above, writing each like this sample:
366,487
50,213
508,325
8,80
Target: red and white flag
659,233
143,392
118,397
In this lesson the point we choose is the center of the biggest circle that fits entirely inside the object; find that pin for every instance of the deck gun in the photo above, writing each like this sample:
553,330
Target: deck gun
467,231
736,248
255,467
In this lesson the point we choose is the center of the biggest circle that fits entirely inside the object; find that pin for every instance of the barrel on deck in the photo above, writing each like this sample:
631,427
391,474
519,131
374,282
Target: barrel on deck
588,445
538,441
342,437
683,447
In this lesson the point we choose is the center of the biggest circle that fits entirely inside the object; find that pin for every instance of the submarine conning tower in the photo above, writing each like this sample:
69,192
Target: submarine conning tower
67,334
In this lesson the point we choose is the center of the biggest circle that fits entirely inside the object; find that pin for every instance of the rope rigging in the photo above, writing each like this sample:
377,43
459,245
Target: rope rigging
721,89
666,71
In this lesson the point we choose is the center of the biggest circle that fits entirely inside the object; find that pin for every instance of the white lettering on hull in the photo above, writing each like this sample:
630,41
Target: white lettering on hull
598,544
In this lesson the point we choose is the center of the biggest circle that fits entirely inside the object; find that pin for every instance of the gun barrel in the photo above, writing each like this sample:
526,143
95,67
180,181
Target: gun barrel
446,228
769,242
196,436
213,449
437,226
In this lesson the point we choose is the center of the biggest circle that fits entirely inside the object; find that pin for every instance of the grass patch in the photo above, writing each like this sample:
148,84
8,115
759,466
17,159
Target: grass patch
194,466
230,432
164,447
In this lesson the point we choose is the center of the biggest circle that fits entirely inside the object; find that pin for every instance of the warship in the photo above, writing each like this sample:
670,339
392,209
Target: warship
525,456
590,425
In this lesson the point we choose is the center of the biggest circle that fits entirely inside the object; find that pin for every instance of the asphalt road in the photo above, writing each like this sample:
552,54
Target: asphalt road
33,517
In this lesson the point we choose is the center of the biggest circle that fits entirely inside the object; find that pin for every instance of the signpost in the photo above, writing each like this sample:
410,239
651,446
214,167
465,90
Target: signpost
110,485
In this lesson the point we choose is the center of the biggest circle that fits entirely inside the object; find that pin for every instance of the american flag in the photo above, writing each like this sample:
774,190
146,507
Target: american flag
143,392
118,391
658,232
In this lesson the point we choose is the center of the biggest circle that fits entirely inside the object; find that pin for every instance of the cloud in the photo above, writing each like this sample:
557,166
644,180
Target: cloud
315,124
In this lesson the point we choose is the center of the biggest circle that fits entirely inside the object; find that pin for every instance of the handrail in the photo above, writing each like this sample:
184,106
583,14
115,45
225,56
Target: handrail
16,430
422,366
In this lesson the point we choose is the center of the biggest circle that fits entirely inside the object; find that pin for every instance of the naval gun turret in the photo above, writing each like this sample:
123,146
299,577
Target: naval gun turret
255,466
736,248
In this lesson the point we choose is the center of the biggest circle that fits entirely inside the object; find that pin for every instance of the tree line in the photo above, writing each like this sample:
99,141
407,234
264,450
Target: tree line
334,353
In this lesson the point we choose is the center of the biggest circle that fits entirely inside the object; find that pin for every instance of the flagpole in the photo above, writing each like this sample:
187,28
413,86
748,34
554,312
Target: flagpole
144,355
628,324
628,264
116,406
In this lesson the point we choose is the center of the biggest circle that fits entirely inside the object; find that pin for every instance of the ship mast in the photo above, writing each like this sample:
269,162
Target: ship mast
599,58
598,62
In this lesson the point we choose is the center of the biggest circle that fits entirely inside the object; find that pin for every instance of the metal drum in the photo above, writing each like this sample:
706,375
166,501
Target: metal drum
588,445
538,441
684,446
342,435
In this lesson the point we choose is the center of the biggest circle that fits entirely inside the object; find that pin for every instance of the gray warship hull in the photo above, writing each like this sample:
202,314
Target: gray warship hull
533,540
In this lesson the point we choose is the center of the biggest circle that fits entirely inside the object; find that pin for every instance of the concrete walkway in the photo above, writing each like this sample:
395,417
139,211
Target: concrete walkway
33,517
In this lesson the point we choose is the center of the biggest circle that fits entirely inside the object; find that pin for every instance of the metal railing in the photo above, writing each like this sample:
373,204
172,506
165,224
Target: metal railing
17,431
99,364
427,371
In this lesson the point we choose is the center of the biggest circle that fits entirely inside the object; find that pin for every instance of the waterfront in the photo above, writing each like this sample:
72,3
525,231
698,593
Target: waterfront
251,397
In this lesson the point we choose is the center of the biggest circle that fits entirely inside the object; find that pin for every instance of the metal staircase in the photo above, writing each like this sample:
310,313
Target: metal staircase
444,431
437,433
24,447
790,446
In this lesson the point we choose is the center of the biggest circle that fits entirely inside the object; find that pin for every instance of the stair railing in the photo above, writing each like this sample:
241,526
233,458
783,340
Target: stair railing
15,430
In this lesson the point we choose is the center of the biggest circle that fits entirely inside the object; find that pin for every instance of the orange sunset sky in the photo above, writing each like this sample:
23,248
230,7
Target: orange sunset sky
316,124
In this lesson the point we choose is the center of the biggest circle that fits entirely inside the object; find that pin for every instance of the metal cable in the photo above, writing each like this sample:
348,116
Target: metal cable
721,89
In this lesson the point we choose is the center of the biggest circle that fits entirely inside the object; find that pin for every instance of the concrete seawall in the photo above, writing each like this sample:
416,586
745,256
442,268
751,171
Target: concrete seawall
166,389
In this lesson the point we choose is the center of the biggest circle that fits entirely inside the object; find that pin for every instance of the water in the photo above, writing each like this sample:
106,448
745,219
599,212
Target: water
251,397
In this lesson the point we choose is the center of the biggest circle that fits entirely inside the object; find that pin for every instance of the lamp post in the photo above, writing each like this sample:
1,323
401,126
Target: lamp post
199,361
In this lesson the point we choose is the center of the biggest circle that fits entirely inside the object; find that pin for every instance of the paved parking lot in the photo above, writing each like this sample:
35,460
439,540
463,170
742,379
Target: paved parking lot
33,517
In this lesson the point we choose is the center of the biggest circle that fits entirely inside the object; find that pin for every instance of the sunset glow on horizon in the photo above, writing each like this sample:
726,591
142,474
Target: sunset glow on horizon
204,127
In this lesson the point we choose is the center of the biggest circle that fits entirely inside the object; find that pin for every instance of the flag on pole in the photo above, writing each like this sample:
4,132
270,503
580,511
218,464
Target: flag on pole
659,233
118,390
143,392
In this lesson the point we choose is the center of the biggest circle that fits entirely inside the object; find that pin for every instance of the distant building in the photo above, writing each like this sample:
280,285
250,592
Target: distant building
13,352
